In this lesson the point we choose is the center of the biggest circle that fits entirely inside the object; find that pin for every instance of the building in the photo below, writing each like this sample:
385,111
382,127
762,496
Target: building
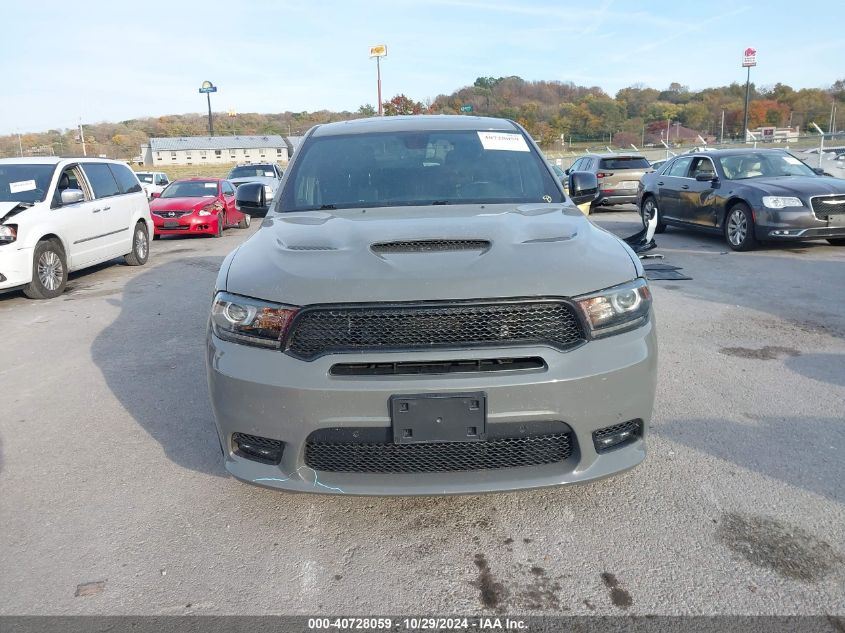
773,134
204,150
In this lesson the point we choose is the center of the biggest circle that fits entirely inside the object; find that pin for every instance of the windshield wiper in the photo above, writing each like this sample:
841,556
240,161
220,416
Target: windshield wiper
441,202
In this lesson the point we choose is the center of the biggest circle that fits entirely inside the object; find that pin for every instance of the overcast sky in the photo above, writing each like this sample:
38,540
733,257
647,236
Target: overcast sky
111,61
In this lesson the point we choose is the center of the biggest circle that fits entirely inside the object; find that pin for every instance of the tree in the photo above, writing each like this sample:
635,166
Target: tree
400,104
367,110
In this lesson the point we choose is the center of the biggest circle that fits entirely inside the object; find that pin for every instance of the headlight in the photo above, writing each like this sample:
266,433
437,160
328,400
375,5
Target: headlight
250,321
206,211
268,192
616,309
779,202
8,233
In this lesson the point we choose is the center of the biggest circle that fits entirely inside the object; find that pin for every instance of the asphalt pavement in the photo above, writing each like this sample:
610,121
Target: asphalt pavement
113,499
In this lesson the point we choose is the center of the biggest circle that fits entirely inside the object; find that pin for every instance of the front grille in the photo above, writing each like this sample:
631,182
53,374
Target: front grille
824,206
415,368
169,215
385,457
317,331
430,246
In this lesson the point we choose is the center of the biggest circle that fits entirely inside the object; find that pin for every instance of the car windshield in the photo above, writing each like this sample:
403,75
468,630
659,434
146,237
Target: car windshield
624,162
251,171
191,189
762,165
405,168
143,177
25,183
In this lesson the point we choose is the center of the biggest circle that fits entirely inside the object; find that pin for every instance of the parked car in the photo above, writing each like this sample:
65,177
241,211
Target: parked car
58,215
406,325
657,164
196,206
153,182
268,174
618,174
747,195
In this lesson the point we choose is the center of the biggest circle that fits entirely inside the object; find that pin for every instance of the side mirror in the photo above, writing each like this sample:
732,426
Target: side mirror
583,186
250,198
156,194
706,177
820,171
72,196
566,171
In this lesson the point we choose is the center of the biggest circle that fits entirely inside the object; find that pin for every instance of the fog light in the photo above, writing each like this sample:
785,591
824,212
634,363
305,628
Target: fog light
259,449
618,435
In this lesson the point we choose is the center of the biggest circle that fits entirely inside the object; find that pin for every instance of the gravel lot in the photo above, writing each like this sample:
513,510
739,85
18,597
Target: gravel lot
110,470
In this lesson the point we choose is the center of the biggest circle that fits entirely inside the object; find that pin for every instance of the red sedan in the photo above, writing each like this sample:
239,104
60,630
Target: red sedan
194,206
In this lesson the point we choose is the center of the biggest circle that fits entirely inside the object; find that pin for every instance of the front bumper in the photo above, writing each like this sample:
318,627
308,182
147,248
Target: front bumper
270,394
15,266
186,225
796,223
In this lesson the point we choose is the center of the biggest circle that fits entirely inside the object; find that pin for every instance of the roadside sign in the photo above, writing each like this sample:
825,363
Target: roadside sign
207,86
379,50
749,58
466,108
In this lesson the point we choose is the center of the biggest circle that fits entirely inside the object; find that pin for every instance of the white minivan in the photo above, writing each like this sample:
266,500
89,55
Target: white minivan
58,215
153,182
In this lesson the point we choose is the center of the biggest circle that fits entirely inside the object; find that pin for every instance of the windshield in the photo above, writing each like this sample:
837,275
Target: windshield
251,171
191,189
624,162
143,177
417,168
25,183
763,165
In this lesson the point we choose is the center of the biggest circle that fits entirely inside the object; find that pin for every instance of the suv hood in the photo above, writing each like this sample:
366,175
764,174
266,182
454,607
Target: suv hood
320,257
264,180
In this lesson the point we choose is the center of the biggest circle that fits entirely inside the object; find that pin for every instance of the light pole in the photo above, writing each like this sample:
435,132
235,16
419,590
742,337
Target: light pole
748,60
379,51
207,88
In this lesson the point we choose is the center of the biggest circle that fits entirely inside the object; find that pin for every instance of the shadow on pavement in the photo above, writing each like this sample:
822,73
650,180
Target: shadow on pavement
152,358
800,451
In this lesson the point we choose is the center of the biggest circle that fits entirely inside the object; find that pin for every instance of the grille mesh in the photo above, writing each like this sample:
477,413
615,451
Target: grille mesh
430,246
824,206
167,214
383,457
323,330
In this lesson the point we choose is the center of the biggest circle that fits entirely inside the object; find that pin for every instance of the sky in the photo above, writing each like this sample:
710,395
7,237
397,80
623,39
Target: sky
112,61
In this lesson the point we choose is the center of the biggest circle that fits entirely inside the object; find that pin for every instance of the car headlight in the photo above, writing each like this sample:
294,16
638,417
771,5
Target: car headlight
616,309
8,233
250,321
268,192
779,202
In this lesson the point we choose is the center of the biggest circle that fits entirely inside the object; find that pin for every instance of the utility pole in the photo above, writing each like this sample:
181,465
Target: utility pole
82,138
20,145
722,129
207,88
378,52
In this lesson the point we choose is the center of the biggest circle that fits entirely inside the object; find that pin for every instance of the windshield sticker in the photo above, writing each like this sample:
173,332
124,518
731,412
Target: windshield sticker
792,160
503,141
269,174
211,185
21,186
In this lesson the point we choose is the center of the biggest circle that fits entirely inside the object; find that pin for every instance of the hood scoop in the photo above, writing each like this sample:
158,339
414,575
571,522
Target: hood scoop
429,246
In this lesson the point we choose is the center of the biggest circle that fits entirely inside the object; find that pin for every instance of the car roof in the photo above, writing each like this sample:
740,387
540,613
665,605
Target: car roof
55,160
735,151
615,155
202,178
414,123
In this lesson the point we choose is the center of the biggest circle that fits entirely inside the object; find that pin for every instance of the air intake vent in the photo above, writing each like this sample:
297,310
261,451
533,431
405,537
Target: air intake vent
430,246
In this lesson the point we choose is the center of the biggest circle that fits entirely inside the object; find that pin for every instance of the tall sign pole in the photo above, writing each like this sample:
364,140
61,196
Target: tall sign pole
379,51
207,88
749,59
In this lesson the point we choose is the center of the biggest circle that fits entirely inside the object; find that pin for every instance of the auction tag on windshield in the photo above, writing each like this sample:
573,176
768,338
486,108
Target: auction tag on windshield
503,141
211,185
792,160
21,185
269,174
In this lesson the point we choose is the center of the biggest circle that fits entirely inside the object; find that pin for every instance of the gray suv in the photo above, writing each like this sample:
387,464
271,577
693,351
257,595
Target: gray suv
424,311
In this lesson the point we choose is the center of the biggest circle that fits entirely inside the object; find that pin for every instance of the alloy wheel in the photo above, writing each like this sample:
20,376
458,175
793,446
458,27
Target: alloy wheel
50,271
737,227
141,244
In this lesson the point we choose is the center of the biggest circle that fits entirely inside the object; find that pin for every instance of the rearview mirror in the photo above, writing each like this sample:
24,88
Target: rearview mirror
583,186
250,198
72,196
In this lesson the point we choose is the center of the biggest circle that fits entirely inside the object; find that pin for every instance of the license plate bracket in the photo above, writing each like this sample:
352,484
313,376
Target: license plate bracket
171,225
432,418
836,220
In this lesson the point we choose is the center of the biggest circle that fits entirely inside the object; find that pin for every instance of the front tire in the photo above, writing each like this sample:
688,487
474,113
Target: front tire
836,241
739,228
650,207
245,222
140,246
219,232
49,271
